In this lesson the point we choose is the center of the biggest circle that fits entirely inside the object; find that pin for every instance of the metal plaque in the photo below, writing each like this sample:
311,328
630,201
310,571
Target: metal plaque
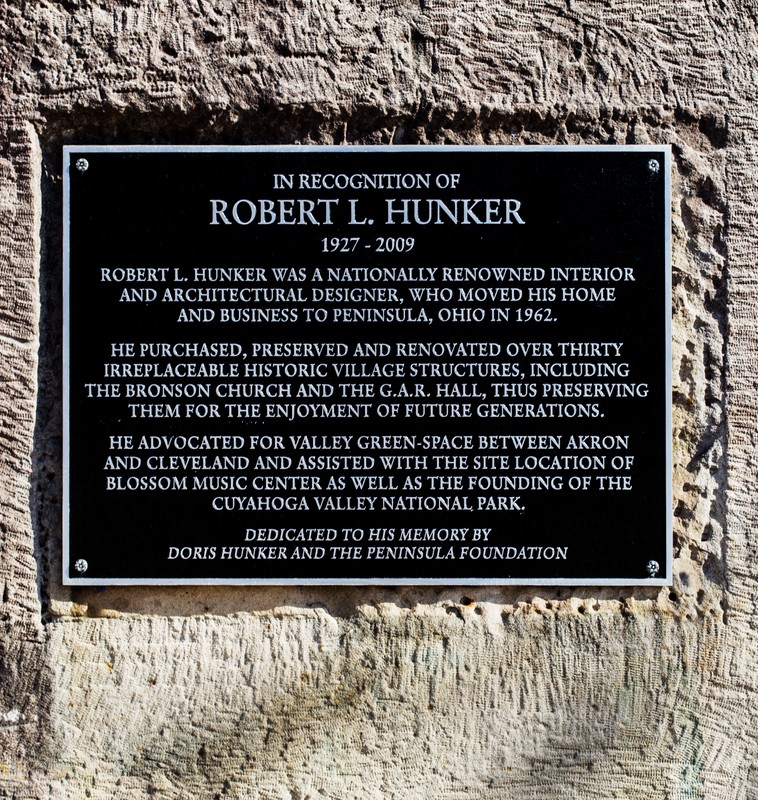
367,365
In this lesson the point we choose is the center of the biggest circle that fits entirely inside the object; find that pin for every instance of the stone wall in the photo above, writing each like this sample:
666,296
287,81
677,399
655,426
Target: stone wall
362,692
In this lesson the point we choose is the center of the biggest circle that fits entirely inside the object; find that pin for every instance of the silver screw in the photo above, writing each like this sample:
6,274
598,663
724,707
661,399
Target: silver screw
81,565
82,164
652,568
653,166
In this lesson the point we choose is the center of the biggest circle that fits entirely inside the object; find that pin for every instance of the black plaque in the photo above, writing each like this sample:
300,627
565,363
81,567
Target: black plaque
367,365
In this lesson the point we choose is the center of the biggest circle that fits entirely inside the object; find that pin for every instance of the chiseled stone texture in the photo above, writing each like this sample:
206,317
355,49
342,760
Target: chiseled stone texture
363,692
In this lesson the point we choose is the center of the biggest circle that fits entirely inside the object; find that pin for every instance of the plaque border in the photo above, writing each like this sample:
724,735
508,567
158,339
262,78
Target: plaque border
660,149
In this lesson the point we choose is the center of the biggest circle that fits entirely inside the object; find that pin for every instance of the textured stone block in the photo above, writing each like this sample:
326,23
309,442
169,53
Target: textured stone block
373,692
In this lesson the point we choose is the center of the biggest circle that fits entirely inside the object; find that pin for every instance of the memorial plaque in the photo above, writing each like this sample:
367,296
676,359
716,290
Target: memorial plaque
367,365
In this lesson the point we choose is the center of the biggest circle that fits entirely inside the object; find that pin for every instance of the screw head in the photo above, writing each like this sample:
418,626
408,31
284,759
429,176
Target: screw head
652,568
653,166
81,565
82,164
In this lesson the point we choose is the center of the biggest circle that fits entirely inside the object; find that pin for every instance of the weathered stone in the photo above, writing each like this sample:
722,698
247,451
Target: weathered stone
379,692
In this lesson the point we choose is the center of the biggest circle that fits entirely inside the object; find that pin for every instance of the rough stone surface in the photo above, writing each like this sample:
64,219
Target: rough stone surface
379,693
